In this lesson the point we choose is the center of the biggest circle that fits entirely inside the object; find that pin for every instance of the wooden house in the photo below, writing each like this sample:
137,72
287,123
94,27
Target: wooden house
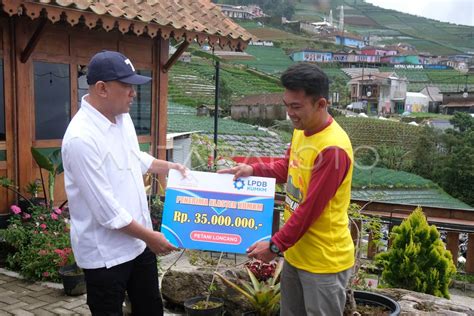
45,47
259,106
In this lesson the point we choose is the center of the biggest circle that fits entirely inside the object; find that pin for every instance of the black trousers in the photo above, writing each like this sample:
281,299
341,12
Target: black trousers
139,277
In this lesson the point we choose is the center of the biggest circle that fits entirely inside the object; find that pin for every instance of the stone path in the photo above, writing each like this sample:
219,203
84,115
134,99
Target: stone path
20,297
24,298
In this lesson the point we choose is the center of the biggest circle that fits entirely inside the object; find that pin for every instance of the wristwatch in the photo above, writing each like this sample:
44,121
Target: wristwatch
274,249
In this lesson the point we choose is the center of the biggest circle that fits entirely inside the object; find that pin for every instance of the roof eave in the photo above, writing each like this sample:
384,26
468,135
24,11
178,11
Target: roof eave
73,16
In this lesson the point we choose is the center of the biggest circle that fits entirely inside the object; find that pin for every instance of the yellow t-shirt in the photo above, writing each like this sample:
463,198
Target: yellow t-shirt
327,246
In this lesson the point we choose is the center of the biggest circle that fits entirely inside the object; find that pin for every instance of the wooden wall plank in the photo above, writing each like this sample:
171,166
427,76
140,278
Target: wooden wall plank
161,87
96,41
138,50
10,116
24,104
54,41
75,46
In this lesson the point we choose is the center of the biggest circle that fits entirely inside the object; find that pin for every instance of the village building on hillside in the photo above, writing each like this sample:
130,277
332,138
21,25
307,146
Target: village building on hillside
311,55
45,47
259,106
378,51
416,102
381,93
348,40
462,101
317,28
401,59
242,12
435,98
178,147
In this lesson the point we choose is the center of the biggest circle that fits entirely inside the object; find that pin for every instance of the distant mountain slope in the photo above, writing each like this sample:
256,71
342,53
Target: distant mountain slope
390,26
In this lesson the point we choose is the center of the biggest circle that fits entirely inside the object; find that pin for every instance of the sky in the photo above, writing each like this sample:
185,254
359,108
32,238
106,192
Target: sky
455,11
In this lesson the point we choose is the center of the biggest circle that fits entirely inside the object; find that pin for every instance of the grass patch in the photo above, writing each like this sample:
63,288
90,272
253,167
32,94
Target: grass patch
464,277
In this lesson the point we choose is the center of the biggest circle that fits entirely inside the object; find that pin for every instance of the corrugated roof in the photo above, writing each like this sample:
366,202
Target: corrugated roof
375,77
420,196
459,104
181,19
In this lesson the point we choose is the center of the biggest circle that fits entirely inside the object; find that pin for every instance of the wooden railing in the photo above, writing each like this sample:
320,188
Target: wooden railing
451,221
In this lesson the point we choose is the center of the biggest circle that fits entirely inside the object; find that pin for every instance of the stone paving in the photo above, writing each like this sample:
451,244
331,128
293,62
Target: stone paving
20,297
23,298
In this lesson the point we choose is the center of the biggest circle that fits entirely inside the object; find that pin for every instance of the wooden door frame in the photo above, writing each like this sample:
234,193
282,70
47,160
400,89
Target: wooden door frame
8,166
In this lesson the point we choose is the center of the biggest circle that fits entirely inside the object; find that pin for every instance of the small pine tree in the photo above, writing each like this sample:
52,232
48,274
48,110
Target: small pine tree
417,259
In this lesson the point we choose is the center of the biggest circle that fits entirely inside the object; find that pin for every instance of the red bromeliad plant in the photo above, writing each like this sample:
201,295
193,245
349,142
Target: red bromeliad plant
263,292
261,270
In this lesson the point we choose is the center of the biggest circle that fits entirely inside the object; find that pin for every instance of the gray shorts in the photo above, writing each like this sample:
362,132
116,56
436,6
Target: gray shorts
306,293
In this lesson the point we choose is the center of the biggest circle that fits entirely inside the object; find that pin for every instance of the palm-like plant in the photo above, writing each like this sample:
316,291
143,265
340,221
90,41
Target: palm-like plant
264,296
51,163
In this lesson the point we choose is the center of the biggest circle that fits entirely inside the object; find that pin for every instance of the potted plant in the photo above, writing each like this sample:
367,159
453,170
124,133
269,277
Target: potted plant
206,305
262,289
73,278
360,300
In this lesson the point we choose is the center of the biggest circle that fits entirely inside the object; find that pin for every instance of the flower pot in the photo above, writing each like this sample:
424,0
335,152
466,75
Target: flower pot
73,280
216,310
5,250
4,220
374,299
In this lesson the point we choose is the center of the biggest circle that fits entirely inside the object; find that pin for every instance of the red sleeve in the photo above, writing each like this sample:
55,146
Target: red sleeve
277,169
329,170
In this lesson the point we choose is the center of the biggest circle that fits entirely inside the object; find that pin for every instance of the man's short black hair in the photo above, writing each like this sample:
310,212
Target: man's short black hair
307,77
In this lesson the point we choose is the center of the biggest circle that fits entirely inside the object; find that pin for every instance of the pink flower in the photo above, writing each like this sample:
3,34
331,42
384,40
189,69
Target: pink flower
54,216
42,252
46,274
15,209
43,226
26,216
57,211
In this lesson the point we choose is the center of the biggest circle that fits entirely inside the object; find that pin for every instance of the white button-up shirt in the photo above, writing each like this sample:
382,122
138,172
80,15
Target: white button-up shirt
103,175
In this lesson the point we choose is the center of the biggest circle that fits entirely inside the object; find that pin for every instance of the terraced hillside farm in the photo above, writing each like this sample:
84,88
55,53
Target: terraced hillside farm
271,60
178,123
390,27
274,34
334,73
287,40
373,132
447,80
193,83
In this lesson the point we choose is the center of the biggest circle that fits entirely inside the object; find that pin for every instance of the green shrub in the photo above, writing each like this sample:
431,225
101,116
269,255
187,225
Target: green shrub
417,259
41,242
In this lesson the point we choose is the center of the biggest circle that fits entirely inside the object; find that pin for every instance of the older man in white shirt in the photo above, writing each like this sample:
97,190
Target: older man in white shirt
111,231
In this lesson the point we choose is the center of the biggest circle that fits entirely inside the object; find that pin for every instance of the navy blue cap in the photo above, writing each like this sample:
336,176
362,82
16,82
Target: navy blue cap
110,66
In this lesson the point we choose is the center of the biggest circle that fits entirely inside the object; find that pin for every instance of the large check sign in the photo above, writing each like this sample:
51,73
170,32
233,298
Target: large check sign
210,211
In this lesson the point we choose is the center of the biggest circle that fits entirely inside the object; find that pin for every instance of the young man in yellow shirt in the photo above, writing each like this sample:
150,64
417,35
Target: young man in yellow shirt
315,239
